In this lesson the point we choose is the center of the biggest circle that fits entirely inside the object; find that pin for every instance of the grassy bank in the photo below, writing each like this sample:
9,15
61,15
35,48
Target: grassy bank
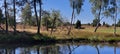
24,37
102,35
79,35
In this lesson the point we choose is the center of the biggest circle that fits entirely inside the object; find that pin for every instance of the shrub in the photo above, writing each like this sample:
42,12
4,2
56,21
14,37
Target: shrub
78,24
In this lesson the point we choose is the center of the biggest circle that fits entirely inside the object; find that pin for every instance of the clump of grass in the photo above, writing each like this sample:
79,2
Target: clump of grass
42,38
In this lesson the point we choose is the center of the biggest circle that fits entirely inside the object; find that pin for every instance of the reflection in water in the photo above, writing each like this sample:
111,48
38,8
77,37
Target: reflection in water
98,52
7,51
115,50
50,50
63,49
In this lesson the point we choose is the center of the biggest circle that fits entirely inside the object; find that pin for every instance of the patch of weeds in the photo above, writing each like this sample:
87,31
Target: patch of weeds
94,38
43,38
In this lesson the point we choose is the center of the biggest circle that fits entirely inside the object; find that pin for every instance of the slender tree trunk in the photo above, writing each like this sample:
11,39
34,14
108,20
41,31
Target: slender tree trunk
53,25
114,26
98,20
115,19
14,16
39,22
69,31
46,23
6,16
38,32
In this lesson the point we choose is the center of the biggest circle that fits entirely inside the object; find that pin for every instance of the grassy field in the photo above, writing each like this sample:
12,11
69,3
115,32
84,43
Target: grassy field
102,29
60,34
102,34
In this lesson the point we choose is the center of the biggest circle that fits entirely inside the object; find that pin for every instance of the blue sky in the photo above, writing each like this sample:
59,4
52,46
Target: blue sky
64,6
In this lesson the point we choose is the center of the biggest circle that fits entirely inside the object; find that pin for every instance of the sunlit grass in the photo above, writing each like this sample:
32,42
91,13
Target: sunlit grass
103,33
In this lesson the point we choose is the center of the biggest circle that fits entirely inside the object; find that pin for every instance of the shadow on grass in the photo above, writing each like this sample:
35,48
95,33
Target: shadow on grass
24,37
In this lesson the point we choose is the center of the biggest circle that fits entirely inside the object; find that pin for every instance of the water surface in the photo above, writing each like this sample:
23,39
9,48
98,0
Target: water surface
68,48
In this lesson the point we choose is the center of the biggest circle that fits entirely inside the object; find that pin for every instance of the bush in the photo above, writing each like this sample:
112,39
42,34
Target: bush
104,23
78,24
88,24
107,25
95,21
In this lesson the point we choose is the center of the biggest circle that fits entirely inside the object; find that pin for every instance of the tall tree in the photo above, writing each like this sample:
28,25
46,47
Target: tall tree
97,7
112,12
1,19
115,17
45,19
55,15
14,4
36,17
1,16
6,18
39,22
11,17
75,4
27,14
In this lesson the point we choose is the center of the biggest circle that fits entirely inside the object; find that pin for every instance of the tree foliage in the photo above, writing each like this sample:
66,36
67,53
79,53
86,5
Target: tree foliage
27,15
95,21
1,16
76,4
11,17
104,23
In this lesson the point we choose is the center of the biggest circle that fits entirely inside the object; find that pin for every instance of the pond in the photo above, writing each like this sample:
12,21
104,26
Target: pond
65,48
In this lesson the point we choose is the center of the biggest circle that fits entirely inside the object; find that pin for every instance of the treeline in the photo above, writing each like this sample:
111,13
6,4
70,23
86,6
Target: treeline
95,21
33,14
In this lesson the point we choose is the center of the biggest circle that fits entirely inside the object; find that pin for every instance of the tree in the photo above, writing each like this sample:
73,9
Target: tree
40,10
27,15
55,15
38,30
104,23
34,5
14,4
78,24
46,19
6,17
39,22
1,16
75,4
112,12
1,19
95,21
10,15
97,7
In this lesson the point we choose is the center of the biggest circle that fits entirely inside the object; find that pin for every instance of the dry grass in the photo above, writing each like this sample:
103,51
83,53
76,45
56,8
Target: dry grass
61,33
